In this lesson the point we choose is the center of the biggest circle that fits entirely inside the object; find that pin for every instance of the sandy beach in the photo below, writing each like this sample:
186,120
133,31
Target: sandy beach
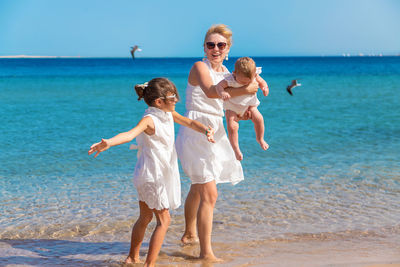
296,254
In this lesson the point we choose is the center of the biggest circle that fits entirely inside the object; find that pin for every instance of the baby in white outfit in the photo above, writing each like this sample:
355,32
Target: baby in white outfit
235,107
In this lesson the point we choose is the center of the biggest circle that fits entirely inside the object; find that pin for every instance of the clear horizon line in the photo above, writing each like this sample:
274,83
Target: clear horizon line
128,57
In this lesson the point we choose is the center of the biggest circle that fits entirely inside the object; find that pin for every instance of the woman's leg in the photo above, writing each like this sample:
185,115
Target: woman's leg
258,121
191,207
232,122
157,238
208,197
138,231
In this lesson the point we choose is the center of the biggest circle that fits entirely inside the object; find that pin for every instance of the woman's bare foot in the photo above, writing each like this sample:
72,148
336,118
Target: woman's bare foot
210,258
189,240
131,260
263,144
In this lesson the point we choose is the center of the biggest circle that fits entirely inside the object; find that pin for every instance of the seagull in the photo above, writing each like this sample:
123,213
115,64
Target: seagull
133,49
292,85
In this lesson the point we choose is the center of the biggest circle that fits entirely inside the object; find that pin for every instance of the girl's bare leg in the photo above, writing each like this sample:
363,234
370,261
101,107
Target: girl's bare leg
258,121
157,238
191,207
232,122
138,232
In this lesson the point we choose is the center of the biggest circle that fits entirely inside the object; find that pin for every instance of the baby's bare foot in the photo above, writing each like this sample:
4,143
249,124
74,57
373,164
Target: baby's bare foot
238,154
263,144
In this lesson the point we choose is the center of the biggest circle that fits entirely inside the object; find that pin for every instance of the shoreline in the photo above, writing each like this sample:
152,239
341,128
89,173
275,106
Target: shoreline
89,251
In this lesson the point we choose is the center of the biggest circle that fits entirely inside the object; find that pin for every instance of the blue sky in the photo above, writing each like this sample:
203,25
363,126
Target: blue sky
99,28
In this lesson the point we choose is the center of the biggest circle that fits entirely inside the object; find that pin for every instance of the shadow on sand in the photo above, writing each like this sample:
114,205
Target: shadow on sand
48,252
54,252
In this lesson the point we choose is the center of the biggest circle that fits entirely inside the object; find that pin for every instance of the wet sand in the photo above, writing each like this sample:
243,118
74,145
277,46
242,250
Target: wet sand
311,253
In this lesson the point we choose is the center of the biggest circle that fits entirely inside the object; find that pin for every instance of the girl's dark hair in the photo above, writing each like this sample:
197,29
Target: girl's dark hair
156,88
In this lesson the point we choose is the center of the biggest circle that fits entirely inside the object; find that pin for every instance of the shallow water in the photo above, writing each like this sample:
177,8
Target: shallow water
330,180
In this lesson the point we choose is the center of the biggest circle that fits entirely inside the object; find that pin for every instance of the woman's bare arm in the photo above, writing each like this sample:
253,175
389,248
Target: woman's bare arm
200,76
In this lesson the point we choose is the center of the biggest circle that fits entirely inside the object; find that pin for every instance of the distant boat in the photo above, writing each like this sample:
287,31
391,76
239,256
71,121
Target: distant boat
134,49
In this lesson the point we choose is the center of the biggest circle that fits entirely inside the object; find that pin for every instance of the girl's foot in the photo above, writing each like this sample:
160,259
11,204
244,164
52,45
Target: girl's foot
189,240
263,144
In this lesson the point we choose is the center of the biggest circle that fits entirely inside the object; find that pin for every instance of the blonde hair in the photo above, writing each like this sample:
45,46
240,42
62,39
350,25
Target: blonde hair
246,66
156,88
220,29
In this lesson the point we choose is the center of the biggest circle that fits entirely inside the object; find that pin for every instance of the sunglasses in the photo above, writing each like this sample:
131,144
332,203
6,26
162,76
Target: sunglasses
170,97
220,45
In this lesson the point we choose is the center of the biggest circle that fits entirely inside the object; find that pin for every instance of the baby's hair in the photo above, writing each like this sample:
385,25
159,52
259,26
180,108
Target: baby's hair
221,29
246,66
156,88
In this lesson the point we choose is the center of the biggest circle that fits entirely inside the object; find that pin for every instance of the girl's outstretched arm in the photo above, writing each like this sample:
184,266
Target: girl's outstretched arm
195,125
145,125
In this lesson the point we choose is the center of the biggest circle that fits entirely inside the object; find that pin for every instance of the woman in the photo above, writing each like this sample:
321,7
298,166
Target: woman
205,164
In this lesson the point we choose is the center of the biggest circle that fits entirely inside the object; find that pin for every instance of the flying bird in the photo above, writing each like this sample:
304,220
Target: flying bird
134,49
292,85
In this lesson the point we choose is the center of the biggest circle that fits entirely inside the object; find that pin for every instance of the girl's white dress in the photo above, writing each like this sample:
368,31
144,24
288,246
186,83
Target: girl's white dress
201,160
156,176
239,104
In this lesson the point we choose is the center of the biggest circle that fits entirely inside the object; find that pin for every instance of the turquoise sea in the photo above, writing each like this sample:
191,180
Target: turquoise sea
326,192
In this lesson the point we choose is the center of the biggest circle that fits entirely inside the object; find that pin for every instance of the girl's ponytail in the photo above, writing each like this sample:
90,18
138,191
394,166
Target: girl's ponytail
141,90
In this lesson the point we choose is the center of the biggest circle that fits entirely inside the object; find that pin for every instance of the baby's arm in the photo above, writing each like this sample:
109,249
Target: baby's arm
262,84
145,125
195,125
220,88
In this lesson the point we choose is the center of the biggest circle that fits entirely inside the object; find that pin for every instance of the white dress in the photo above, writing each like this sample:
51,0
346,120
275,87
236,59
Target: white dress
239,104
156,176
201,160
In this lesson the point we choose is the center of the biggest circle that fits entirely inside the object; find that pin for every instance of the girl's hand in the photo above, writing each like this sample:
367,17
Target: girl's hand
99,147
210,134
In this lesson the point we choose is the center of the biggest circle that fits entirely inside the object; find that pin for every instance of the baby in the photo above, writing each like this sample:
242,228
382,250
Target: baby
235,107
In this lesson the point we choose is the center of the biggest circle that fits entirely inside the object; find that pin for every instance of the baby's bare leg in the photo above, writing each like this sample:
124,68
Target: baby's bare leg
232,122
258,121
138,231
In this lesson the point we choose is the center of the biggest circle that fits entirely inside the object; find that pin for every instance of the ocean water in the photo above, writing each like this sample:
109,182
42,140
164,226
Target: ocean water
326,192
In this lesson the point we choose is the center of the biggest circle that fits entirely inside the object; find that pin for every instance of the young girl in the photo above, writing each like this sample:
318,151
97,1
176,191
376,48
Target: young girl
156,176
245,72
